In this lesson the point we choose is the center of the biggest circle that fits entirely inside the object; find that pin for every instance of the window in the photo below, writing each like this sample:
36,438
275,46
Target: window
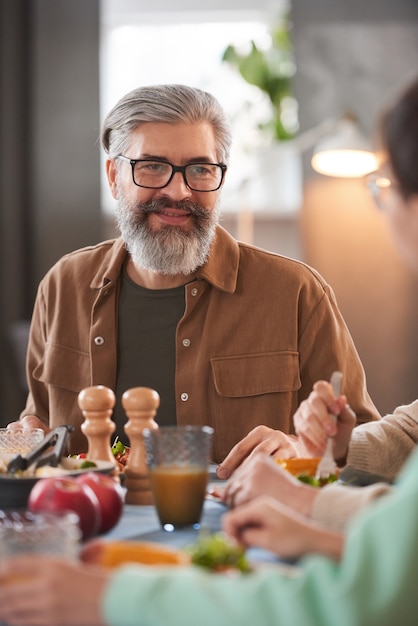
187,47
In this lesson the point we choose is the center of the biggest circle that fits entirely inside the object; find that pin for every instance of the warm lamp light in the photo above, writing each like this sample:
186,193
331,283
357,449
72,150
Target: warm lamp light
339,149
344,152
344,163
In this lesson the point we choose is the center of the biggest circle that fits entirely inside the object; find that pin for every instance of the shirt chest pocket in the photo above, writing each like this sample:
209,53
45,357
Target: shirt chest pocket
256,374
64,367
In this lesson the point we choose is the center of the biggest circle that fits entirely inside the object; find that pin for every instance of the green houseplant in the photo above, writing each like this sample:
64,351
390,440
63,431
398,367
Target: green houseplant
271,70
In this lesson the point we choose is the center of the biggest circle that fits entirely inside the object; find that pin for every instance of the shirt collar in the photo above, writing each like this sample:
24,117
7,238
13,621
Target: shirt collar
220,270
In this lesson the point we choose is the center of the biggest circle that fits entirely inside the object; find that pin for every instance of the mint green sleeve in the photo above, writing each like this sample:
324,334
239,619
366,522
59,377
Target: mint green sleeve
376,583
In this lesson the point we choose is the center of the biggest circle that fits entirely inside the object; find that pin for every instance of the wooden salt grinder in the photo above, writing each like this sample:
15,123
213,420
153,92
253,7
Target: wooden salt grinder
96,404
140,405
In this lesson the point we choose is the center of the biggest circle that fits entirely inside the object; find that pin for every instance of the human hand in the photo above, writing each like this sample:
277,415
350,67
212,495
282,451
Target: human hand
268,524
29,421
50,591
260,439
314,424
260,475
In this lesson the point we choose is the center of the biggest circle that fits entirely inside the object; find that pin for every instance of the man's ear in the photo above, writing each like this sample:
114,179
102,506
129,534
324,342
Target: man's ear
111,172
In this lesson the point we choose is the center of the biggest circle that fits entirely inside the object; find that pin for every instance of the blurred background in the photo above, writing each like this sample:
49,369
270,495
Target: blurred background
64,63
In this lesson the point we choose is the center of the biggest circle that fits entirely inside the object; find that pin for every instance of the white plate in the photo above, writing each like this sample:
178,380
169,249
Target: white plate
71,467
67,467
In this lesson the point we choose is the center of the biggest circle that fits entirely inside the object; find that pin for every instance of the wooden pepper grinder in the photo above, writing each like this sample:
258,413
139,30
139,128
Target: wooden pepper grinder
96,404
140,405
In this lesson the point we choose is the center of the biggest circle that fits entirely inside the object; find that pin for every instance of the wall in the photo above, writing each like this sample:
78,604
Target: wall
49,123
356,56
65,128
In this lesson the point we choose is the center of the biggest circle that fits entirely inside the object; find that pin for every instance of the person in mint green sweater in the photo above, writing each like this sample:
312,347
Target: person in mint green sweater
375,582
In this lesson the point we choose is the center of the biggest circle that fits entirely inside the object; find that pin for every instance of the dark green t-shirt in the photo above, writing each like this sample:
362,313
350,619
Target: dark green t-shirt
147,323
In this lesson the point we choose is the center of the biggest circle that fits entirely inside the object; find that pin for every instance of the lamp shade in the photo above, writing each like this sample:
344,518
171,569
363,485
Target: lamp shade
344,152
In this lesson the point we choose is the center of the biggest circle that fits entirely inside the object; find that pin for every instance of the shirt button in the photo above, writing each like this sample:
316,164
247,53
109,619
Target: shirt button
99,341
186,343
194,291
184,397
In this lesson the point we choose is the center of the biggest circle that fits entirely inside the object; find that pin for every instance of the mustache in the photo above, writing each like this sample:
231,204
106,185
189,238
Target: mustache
158,205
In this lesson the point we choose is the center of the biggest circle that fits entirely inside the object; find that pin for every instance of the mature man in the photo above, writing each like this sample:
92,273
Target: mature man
228,334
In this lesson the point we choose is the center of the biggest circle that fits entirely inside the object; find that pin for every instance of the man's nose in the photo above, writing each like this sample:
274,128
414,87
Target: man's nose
177,187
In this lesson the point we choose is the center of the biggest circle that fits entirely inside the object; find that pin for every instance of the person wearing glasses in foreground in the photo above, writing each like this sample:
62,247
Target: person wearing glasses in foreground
378,448
229,335
369,576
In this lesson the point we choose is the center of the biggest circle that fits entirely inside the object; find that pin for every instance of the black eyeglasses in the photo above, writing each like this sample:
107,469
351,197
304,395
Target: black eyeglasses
378,184
158,174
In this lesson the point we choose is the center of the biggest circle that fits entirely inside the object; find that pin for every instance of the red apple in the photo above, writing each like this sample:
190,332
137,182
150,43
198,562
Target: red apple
65,493
110,496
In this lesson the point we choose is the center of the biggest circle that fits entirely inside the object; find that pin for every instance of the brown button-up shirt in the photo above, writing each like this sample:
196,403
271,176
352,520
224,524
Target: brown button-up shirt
258,330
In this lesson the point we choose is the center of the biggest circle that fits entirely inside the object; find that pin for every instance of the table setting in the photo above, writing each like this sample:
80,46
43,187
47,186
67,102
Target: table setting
139,524
165,494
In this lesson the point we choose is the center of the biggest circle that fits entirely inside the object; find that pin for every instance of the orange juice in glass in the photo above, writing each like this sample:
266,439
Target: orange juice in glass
178,459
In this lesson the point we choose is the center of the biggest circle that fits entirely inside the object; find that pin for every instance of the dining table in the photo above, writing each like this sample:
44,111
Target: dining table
141,523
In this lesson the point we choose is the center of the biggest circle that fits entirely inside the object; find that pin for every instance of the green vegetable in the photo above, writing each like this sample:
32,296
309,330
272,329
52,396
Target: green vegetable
117,447
87,464
317,482
216,553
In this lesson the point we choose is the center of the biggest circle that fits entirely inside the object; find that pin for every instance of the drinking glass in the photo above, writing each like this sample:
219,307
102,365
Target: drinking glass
178,460
23,532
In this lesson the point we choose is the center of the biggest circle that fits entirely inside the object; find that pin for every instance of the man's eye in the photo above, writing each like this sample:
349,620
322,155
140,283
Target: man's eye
153,167
200,170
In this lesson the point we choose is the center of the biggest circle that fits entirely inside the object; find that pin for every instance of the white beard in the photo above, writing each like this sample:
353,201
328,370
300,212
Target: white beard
170,250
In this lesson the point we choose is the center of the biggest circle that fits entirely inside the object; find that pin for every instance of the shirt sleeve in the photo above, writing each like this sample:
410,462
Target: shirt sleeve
375,583
336,505
382,447
326,345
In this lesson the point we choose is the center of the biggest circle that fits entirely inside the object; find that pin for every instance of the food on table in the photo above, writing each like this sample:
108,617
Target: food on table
218,554
214,552
67,465
121,453
65,493
110,496
304,469
96,498
115,553
85,463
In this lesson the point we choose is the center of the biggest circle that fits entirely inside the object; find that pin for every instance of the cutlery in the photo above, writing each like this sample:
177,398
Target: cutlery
327,464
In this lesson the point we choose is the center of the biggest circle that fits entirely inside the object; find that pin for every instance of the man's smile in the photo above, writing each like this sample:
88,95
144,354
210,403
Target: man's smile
172,216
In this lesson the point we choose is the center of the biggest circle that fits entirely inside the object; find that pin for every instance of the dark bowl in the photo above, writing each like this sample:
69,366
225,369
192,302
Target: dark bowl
14,491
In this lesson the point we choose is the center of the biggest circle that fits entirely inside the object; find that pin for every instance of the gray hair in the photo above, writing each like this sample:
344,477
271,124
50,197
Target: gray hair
164,103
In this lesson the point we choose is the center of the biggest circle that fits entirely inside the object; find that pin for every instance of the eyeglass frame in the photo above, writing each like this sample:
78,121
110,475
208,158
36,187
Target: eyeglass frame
371,180
174,169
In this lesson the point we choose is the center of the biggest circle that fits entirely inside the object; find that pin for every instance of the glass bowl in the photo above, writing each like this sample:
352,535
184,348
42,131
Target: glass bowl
19,441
